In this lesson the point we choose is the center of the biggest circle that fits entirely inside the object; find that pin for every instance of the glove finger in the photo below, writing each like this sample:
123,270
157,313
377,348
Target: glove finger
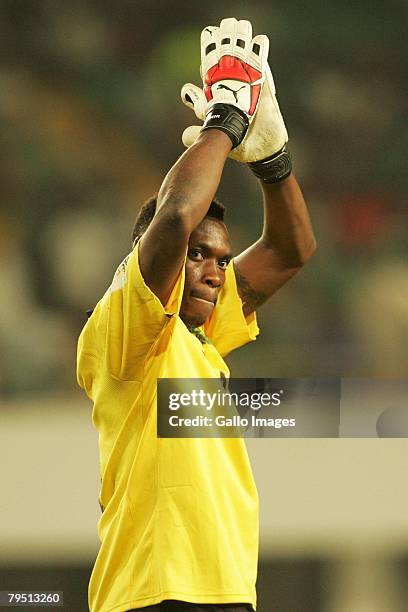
209,48
269,80
227,35
271,124
194,97
243,38
190,135
258,54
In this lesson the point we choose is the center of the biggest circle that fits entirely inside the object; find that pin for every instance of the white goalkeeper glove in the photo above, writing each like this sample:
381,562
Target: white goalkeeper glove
249,86
233,70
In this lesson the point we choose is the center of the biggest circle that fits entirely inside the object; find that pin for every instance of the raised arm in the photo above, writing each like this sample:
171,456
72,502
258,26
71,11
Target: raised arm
228,103
287,242
183,200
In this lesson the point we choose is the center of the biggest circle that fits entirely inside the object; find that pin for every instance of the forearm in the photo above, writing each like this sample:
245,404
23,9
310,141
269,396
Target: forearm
183,201
287,227
192,182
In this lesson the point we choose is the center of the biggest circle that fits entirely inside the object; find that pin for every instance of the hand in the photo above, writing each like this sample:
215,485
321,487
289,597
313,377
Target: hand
233,70
267,133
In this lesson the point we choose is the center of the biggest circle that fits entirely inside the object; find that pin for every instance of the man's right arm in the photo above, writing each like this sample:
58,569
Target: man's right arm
183,201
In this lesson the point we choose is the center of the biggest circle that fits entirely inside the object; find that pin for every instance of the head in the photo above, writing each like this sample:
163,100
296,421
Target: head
209,252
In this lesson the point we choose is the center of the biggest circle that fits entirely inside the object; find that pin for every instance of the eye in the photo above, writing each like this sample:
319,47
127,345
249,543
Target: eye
195,254
223,263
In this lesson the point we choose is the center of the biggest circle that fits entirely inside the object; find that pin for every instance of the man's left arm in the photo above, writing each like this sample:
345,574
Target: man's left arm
287,239
286,244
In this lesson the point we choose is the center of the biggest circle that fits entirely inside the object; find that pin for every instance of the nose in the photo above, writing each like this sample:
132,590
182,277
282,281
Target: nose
212,275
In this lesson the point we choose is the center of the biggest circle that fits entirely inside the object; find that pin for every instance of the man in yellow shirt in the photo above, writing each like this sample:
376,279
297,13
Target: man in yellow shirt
179,524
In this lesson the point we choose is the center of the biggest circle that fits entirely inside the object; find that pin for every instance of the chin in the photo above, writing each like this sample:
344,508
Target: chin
193,320
195,313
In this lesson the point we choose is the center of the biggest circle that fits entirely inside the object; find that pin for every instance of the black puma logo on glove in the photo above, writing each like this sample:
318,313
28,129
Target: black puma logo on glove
222,86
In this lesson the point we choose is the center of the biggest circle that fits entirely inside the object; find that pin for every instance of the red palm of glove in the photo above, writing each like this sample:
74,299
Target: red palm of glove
231,68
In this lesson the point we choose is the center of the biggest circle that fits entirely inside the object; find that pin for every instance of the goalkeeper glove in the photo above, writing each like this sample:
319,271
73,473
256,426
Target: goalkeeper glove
232,68
252,90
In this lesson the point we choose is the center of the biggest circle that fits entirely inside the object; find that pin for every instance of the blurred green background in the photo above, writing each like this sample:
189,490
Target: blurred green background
91,122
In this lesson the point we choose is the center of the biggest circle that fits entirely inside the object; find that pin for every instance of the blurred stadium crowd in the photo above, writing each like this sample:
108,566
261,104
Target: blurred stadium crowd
92,120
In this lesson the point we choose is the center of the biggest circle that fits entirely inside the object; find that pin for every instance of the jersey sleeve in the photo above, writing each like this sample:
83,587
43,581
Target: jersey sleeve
129,318
227,327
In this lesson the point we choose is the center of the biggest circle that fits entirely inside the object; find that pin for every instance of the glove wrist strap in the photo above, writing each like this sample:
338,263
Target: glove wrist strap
229,119
274,168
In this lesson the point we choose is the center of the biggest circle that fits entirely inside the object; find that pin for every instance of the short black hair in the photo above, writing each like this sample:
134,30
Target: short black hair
148,210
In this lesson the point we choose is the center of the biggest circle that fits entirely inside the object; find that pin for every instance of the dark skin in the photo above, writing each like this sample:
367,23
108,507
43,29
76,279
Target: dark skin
285,244
208,255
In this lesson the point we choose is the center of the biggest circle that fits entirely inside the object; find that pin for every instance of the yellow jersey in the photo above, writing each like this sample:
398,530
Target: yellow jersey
179,516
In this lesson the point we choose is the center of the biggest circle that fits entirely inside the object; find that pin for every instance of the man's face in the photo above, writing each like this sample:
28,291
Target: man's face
209,252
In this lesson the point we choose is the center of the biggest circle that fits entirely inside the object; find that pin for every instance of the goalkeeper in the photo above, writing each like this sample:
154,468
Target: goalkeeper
179,524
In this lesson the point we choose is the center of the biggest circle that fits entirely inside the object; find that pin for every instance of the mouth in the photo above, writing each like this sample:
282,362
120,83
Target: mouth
205,300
